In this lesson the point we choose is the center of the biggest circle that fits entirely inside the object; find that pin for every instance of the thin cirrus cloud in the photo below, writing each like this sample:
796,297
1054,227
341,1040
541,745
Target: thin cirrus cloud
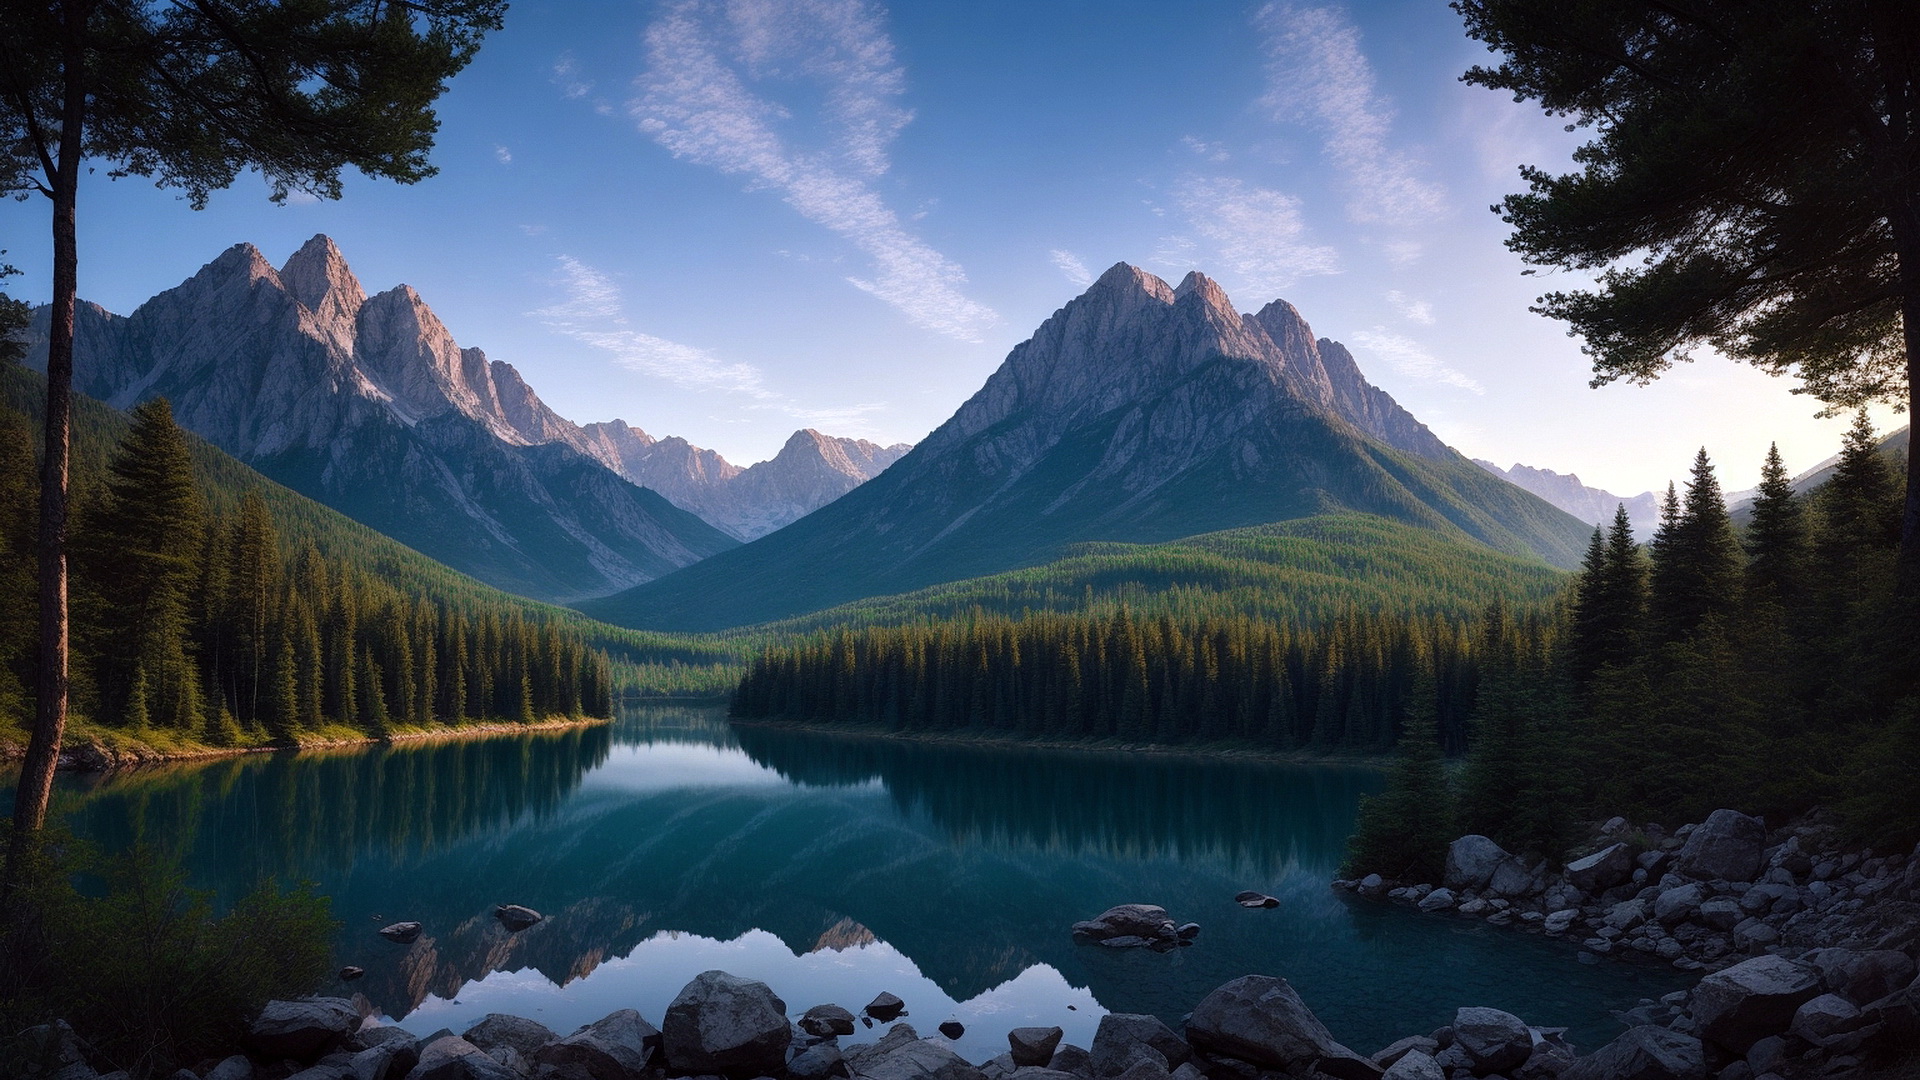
1317,74
1407,357
1414,311
1070,266
696,100
594,315
1256,233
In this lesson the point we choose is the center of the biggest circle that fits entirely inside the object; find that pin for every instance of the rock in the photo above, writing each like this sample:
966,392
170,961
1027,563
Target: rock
1603,869
1614,826
1752,935
1072,1059
1146,1065
1035,1072
817,1062
886,1008
1124,941
350,973
1824,1019
454,1058
914,1059
1475,906
58,1048
1678,903
1119,1033
1720,913
1251,899
1399,1047
952,1029
1471,861
1742,1004
1511,880
1128,920
1766,1055
238,1067
302,1030
1034,1045
1559,921
499,1029
826,1020
1495,1040
617,1046
1728,846
401,933
1437,900
390,1059
516,918
1261,1020
1627,915
1371,885
1415,1065
724,1024
1188,931
896,1037
1643,1053
1898,1017
1863,977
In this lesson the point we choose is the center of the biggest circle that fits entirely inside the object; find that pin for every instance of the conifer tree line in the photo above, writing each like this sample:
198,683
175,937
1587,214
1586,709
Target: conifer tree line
1351,684
1769,669
210,627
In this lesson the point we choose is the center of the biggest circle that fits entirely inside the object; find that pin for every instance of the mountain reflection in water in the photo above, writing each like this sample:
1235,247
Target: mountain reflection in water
833,869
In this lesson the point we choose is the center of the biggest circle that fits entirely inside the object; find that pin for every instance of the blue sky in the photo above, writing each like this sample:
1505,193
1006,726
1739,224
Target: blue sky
727,219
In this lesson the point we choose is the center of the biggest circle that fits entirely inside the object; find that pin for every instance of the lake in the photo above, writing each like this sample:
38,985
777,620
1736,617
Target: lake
833,868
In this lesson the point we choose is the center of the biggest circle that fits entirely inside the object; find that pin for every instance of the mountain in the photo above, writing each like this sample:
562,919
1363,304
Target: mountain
810,471
368,405
1136,413
1591,505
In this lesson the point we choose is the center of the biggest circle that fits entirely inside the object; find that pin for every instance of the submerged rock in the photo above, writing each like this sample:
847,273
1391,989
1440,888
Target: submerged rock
1251,899
886,1008
827,1020
516,918
401,933
1147,922
952,1029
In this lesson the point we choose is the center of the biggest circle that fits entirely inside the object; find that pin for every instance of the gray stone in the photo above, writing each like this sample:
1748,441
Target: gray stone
1146,1066
1679,903
1371,885
1414,1065
1742,1004
916,1059
515,917
1643,1053
723,1024
1496,1041
56,1048
1471,861
1129,920
952,1029
302,1030
1767,1055
401,933
1863,977
1753,935
1041,1072
1261,1020
1511,880
825,1020
1627,915
1603,869
1728,846
617,1046
1072,1059
499,1029
387,1061
1119,1033
1397,1049
1251,899
454,1058
1437,900
1558,921
817,1062
1720,913
885,1007
239,1067
896,1037
1825,1018
1189,1071
1034,1045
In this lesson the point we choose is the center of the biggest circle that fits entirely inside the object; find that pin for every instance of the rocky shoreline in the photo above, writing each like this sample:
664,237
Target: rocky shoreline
1765,1018
92,755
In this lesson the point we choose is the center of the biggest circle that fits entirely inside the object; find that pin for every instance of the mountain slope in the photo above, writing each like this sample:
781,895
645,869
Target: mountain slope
368,405
1136,413
1588,504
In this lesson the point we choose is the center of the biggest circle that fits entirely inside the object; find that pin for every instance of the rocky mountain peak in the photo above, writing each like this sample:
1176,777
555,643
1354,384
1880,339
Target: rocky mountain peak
317,275
1124,278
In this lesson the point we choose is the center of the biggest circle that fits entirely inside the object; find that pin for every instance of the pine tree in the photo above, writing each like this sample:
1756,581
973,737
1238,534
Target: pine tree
1610,601
1776,539
1697,562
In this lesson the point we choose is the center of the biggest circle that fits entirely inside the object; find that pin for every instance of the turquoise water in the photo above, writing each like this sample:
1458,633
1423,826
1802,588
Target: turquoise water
833,869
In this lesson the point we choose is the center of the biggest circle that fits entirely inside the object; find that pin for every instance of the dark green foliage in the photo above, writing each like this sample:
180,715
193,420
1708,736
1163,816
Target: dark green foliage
1696,558
141,967
1402,833
1609,601
1776,538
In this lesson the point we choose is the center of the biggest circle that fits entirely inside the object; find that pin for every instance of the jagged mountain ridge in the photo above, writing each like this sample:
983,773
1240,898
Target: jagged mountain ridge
1589,504
1137,412
367,404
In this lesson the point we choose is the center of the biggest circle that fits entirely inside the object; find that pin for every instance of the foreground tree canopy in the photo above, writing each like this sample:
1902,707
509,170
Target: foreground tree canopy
190,93
1750,185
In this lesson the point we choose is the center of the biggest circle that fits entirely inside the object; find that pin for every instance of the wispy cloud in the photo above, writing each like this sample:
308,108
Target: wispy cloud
1406,356
1317,74
1069,264
1414,311
503,155
1212,151
695,100
1256,232
566,75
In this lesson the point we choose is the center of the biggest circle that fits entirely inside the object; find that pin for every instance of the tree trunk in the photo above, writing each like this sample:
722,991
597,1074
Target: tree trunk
50,691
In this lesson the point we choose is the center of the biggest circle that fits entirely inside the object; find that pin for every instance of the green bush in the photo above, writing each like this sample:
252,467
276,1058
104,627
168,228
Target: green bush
138,964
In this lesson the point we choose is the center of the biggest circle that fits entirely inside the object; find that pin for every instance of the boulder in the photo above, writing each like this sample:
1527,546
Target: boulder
1645,1052
1511,880
617,1046
817,1062
1721,913
516,918
1728,846
239,1067
401,933
1437,900
302,1030
1557,922
1611,865
1120,1033
1397,1049
1034,1045
1072,1059
350,973
1471,861
57,1049
1261,1020
1415,1065
1039,1072
1129,920
1251,899
886,1008
1863,977
499,1029
1825,1018
952,1029
914,1059
1188,931
1146,1066
1627,915
387,1060
454,1058
1751,1000
1495,1040
825,1021
1678,903
896,1037
724,1024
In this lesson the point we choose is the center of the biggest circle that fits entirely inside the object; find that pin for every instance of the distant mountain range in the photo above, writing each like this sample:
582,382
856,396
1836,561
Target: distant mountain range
1139,413
1591,505
368,405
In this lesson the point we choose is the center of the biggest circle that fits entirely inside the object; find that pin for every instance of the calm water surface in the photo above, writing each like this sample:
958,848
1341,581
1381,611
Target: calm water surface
832,869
